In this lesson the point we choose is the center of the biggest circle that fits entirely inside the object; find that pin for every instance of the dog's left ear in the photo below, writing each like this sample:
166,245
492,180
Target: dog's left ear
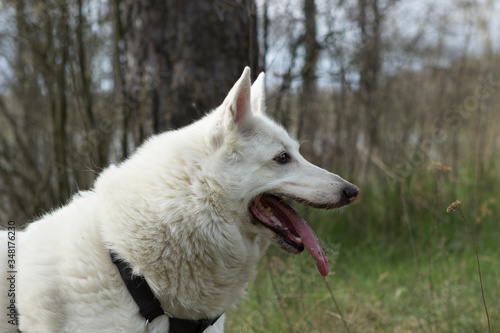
259,94
237,103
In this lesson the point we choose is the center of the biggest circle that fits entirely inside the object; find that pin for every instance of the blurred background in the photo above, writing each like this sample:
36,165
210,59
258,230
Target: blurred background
400,97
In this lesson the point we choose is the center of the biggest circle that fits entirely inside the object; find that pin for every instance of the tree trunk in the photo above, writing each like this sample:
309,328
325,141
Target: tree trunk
307,125
119,78
371,63
98,139
370,25
60,115
183,57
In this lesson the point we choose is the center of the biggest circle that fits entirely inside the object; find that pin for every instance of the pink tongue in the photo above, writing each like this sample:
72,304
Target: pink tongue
300,226
310,240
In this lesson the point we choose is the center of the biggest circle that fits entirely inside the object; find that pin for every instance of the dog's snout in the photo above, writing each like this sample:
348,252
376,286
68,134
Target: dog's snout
351,192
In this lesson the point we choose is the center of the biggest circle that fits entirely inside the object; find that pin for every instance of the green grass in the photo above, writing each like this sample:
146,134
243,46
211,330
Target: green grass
416,274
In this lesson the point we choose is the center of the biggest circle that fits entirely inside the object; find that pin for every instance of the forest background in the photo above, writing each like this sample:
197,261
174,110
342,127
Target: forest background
400,97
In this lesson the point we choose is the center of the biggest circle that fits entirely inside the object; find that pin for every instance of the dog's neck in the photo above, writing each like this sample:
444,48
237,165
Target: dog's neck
202,279
198,272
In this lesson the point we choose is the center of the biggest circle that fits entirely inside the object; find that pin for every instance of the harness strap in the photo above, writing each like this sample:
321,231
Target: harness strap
149,306
193,326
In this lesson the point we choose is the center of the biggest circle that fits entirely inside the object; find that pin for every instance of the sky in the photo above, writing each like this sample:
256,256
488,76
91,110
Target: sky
405,19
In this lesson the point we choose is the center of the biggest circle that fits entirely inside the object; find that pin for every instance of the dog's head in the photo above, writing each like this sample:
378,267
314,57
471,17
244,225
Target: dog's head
257,166
221,183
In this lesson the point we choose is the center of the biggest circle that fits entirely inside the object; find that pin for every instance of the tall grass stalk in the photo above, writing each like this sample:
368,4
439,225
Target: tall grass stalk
344,322
278,295
455,206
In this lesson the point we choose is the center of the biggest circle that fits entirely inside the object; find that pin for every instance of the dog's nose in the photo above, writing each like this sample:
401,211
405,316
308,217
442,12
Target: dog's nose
351,192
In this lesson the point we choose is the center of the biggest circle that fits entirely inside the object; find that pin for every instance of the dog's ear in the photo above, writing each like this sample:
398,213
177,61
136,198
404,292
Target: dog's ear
237,103
259,94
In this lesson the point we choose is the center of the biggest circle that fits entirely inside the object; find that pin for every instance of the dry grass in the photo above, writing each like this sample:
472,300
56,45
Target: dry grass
455,206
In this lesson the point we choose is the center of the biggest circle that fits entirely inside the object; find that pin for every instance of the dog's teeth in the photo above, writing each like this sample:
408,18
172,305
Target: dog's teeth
298,240
275,221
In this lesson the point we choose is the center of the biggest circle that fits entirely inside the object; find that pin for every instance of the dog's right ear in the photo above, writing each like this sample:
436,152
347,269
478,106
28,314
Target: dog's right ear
237,103
259,94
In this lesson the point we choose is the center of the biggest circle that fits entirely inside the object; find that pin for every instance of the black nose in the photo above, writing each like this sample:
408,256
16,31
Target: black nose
351,192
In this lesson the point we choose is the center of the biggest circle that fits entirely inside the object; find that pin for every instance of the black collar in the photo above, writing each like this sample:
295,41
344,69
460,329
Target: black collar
149,306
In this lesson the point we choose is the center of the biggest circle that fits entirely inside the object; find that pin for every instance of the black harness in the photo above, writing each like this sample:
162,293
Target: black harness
149,306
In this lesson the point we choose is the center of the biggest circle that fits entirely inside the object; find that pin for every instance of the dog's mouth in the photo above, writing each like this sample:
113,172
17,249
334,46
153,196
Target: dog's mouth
293,231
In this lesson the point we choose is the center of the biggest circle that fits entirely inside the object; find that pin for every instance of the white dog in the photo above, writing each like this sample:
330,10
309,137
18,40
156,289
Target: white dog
190,213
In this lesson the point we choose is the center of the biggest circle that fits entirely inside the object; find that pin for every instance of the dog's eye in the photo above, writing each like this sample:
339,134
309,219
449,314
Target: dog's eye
282,158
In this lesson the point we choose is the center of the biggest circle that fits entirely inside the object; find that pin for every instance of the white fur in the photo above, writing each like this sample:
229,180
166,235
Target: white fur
177,211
